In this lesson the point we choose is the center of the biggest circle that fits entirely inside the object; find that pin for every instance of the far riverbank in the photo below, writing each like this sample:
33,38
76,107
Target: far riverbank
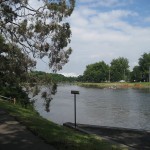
115,85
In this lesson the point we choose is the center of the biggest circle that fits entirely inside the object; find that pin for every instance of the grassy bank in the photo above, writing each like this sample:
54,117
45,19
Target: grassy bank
60,137
116,85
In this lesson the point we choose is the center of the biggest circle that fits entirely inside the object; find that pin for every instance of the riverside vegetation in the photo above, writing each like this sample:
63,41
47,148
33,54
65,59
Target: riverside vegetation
115,85
59,136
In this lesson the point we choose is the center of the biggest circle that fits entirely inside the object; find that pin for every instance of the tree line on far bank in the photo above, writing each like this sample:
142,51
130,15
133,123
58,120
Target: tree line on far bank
38,76
117,70
101,72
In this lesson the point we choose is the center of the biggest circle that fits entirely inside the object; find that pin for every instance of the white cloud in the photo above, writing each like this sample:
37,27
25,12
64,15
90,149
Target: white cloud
147,19
106,3
106,35
70,74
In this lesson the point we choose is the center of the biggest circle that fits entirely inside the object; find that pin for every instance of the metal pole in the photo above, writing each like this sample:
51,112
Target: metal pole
124,75
109,75
149,73
75,110
75,92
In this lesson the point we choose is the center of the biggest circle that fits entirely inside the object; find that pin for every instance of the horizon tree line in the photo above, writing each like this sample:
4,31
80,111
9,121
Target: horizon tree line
118,70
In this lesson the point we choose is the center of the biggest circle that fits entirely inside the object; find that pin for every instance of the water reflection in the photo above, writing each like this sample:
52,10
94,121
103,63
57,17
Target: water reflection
120,108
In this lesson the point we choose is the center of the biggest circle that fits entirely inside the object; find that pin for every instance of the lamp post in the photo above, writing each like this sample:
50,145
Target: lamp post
75,92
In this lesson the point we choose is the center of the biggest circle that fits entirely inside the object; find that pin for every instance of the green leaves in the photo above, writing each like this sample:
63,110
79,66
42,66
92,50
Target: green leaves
144,64
119,69
14,64
97,72
101,72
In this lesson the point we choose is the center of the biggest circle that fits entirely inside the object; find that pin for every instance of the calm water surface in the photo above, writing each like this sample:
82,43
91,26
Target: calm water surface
129,108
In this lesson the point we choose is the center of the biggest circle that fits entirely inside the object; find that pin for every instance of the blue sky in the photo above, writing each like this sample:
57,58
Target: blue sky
106,29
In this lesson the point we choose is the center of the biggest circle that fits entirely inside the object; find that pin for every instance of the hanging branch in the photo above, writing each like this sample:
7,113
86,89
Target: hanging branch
41,31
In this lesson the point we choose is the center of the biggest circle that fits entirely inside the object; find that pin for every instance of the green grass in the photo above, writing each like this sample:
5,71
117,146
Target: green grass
116,85
59,136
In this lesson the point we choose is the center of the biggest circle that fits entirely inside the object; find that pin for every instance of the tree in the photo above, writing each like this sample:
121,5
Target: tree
136,74
14,68
144,64
97,72
80,78
119,69
40,30
14,64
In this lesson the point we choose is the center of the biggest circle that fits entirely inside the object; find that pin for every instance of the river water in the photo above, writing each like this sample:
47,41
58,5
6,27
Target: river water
129,108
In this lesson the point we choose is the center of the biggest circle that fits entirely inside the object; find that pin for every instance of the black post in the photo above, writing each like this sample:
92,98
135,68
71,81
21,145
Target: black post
75,110
75,92
149,73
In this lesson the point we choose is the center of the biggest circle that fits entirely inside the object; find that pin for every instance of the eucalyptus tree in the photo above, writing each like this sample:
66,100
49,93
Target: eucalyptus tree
14,64
39,27
14,68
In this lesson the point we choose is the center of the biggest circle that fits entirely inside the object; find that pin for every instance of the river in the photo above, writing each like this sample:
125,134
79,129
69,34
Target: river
129,108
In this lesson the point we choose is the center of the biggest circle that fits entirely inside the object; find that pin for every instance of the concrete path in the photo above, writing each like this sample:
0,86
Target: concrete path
134,139
15,136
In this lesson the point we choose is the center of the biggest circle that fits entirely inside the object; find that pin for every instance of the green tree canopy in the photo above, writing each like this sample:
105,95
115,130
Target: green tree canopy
136,74
41,30
39,76
97,72
14,64
144,64
119,69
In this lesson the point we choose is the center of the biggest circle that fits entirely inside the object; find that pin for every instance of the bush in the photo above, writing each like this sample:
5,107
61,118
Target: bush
15,92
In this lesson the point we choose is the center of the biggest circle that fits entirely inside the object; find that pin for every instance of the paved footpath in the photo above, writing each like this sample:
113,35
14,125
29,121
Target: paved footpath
15,136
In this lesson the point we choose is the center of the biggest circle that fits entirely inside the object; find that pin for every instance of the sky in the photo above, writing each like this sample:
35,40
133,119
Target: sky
103,30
